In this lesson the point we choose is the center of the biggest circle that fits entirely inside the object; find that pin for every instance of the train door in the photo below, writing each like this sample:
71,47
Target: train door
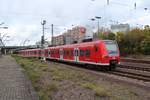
61,53
76,54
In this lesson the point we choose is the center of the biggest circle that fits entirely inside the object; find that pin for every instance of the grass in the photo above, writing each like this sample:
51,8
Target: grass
47,91
99,90
62,73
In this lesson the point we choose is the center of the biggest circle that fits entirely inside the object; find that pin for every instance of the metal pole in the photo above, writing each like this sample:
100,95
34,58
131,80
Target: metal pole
98,18
52,34
43,29
42,38
98,27
107,2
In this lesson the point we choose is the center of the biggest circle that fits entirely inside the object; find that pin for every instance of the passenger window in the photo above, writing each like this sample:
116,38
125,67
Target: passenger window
72,52
81,53
69,52
52,52
49,52
65,52
87,52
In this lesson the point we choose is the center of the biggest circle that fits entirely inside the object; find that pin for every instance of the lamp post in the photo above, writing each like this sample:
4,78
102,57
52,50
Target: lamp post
52,41
97,18
42,38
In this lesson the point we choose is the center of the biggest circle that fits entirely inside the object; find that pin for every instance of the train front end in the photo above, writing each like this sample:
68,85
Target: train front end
111,53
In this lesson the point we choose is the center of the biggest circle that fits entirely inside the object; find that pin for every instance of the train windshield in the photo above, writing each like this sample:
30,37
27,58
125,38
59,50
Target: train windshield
111,47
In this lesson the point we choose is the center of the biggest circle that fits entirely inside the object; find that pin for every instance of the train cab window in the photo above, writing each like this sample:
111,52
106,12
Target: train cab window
81,52
87,53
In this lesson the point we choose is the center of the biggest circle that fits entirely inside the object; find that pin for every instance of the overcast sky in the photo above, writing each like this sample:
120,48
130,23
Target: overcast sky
23,17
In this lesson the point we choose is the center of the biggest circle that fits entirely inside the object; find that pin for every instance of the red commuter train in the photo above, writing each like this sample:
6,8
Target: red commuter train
100,52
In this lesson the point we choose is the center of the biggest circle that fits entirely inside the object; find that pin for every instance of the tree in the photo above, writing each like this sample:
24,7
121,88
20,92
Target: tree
111,36
105,35
133,40
120,37
145,45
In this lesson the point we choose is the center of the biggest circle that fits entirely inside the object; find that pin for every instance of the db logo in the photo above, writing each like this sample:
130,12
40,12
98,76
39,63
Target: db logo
82,30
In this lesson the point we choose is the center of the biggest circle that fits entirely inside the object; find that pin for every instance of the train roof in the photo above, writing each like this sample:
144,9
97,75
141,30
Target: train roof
80,44
72,45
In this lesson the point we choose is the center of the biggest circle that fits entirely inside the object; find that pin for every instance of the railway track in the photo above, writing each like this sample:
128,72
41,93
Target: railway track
135,60
135,66
134,74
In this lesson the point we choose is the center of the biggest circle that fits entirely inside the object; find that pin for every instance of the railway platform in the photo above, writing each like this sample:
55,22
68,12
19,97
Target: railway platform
14,84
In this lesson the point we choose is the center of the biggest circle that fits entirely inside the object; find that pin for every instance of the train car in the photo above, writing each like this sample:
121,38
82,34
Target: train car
101,53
